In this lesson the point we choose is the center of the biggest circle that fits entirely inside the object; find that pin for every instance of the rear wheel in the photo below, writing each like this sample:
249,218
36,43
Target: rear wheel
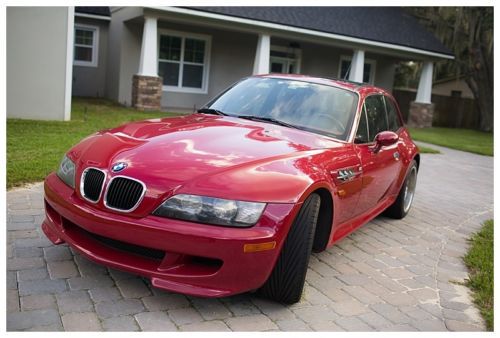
288,276
400,208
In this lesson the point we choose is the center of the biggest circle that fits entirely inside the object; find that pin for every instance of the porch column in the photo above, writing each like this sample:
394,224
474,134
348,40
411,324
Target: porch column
146,84
261,63
422,109
148,65
357,66
425,84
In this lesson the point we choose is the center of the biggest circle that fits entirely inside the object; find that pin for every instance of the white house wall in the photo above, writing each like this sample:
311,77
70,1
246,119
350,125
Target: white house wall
318,60
384,71
38,72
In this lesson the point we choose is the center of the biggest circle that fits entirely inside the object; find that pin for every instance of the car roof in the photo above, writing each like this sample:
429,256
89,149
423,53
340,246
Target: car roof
357,87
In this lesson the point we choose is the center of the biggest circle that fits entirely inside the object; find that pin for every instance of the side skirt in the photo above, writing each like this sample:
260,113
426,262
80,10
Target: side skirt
350,226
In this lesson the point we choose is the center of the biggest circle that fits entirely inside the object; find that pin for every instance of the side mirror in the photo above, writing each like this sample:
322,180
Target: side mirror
384,139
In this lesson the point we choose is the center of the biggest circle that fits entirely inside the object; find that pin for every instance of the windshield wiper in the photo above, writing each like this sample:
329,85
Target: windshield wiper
211,111
268,119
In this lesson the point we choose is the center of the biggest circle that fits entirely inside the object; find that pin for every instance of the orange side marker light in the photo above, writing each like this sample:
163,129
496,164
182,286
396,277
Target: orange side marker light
259,247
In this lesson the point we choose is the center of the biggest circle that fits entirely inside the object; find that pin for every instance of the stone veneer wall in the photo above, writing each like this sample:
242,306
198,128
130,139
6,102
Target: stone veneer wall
420,115
146,92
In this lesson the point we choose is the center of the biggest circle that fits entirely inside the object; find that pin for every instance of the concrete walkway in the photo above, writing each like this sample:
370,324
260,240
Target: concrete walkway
388,276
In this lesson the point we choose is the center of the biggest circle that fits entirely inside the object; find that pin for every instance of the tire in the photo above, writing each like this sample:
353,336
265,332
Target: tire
401,206
286,282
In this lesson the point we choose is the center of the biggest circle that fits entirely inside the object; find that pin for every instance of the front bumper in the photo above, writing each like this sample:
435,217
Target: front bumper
199,259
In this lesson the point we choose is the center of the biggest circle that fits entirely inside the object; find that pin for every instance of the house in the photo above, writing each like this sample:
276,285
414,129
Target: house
454,103
454,87
90,53
177,58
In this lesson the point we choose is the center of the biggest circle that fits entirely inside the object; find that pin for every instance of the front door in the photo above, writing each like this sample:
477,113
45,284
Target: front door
380,169
282,65
284,61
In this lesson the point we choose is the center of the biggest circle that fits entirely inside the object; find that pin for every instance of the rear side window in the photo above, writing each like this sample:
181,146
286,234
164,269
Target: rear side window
376,115
392,115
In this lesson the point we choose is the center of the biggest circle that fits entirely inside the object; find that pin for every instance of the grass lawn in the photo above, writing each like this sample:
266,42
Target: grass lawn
428,150
461,139
479,260
35,148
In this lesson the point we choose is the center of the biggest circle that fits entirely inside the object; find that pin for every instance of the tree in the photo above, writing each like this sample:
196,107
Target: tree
468,32
407,74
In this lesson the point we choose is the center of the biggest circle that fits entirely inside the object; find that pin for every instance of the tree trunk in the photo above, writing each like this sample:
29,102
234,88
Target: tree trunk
481,84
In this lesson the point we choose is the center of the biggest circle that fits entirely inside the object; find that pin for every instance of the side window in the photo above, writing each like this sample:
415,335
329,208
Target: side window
362,135
375,112
85,46
392,115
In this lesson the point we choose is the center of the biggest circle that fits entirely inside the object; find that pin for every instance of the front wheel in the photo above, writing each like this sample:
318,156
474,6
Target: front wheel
286,282
400,208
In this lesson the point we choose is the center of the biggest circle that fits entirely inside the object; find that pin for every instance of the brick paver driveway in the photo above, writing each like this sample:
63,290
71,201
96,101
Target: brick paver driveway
389,275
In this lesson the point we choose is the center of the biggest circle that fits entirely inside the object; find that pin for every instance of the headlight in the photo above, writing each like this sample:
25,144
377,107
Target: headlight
211,210
66,171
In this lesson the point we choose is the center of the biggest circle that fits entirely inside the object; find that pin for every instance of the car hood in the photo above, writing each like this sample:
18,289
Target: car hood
166,153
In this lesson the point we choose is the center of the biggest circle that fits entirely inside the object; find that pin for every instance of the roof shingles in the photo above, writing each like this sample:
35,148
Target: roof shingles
101,10
383,24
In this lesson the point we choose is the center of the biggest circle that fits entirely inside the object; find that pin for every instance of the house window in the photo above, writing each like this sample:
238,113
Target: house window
183,61
284,60
368,70
86,45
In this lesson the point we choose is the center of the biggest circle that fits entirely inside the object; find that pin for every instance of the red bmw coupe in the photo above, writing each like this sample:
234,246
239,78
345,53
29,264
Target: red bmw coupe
235,197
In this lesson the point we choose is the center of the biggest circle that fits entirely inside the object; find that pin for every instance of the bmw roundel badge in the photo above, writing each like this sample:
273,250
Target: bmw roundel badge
118,167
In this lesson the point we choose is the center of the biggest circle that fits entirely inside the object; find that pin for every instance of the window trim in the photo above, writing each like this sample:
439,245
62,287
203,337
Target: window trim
297,52
95,46
372,62
181,62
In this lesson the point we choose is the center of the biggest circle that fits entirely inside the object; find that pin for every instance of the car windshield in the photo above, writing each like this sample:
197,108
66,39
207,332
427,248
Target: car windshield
313,107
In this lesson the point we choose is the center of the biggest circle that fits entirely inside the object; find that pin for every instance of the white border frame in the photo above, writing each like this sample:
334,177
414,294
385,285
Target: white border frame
372,62
206,64
95,46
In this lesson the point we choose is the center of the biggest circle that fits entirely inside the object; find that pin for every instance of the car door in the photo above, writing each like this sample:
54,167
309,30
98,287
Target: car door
379,169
